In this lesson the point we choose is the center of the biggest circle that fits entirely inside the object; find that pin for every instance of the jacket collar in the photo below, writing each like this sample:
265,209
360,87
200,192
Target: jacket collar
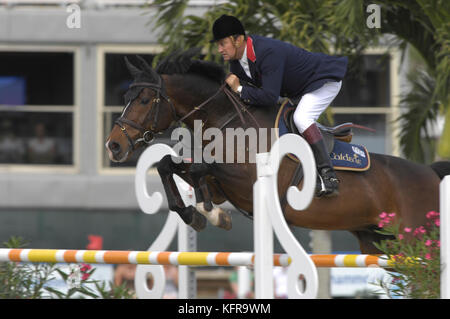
250,50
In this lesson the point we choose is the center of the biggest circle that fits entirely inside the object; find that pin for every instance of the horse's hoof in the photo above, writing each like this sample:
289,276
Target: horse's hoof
198,221
225,221
217,216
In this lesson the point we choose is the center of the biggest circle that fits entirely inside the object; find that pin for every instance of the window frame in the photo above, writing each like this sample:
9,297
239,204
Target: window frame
74,109
392,111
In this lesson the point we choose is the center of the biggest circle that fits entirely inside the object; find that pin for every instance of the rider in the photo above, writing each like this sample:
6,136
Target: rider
277,68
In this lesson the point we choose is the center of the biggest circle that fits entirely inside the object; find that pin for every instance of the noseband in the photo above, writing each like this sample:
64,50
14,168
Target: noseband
147,134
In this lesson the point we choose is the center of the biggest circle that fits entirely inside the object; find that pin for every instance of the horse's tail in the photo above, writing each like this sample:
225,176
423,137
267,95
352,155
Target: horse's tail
441,168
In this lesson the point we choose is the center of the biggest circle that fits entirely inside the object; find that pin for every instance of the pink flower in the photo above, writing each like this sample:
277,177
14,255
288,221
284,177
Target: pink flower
432,214
428,256
437,222
400,236
419,230
385,219
85,268
85,276
407,230
85,271
428,243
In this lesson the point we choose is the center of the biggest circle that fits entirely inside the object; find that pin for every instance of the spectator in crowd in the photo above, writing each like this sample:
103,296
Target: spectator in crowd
280,282
234,292
41,148
12,149
171,290
125,273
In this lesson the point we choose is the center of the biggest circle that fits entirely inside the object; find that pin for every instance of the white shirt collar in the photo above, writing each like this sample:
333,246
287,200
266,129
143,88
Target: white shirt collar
243,59
244,63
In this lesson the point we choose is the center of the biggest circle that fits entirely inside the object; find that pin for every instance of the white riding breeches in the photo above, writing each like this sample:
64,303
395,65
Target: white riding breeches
312,104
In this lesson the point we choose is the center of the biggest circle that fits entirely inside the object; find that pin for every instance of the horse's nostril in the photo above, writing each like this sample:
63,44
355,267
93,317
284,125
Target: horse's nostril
114,147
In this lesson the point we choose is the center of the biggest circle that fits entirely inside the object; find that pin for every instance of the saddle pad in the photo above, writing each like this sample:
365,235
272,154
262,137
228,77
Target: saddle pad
349,157
345,156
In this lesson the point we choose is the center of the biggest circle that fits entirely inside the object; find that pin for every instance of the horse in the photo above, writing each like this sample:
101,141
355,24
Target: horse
182,89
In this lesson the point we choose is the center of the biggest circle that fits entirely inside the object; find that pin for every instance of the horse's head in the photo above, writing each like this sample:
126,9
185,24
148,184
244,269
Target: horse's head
148,111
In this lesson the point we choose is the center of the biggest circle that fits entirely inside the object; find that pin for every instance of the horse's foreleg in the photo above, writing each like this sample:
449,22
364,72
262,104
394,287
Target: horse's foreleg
166,168
215,215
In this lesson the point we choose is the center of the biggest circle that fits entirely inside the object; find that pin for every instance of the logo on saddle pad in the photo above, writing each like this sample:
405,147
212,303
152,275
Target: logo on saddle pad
349,157
358,151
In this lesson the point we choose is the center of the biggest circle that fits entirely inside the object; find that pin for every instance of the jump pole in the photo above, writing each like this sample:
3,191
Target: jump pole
179,258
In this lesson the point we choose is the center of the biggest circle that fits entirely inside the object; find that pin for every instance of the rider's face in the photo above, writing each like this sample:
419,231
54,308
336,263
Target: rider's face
227,48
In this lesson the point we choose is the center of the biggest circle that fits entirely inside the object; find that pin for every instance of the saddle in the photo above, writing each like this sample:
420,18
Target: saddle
342,132
343,154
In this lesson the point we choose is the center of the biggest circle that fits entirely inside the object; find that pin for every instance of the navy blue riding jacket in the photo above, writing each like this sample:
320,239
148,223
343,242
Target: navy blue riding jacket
281,69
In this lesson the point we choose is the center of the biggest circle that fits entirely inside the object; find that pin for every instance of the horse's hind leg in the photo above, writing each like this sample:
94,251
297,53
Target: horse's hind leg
367,238
166,168
215,215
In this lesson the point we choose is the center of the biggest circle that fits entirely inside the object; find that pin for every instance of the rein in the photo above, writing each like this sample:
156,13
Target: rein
148,134
237,103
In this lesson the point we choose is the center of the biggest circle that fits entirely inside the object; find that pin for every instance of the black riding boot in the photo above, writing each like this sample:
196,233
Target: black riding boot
327,183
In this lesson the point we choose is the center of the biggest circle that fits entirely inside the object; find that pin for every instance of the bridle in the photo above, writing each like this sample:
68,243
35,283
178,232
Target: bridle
148,134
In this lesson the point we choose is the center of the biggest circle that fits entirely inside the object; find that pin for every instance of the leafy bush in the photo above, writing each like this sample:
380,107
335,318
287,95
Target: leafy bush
31,281
414,256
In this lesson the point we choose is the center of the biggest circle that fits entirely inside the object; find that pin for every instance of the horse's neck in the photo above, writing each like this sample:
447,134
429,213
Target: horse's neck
212,114
218,112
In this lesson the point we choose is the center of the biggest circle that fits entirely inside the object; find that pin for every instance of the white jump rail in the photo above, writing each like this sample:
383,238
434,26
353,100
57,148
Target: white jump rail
444,193
187,237
268,217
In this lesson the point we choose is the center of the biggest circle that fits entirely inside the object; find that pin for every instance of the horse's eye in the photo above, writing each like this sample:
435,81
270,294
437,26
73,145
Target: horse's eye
145,101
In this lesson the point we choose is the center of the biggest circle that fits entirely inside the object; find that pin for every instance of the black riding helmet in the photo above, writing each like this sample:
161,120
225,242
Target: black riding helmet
225,26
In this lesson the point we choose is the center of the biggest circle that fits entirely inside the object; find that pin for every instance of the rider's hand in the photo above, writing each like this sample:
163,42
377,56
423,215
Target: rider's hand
233,82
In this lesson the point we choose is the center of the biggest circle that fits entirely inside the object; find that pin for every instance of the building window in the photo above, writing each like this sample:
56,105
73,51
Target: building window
37,102
368,100
371,88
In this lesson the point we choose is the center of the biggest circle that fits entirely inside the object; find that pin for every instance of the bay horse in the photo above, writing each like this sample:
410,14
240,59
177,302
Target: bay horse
182,89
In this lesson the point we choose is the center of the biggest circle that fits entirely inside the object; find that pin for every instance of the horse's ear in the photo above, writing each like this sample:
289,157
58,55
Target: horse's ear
146,67
133,70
